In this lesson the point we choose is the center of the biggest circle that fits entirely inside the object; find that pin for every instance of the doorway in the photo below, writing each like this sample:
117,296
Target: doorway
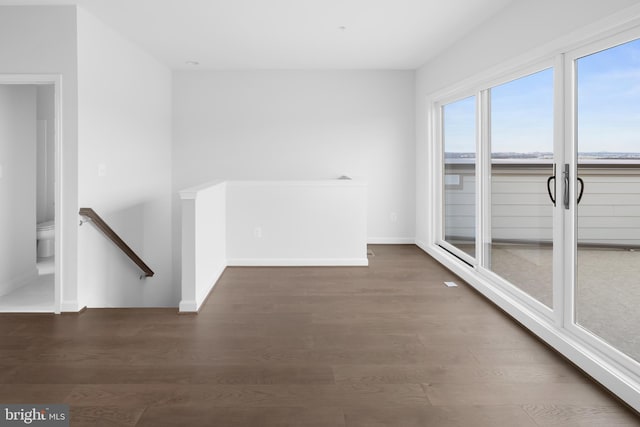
30,251
605,217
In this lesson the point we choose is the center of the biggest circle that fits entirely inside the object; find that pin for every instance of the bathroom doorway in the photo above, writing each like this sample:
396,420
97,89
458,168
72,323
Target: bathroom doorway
29,177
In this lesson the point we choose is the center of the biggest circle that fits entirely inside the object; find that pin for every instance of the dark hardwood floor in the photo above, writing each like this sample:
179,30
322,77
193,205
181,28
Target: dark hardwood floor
387,345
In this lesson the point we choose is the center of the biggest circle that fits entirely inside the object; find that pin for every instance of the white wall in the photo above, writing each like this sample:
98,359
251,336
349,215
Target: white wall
304,223
268,223
300,125
124,169
42,40
521,27
204,243
17,186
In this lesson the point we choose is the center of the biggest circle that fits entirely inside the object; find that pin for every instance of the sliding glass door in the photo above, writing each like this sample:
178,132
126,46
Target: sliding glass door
607,141
522,184
459,176
539,191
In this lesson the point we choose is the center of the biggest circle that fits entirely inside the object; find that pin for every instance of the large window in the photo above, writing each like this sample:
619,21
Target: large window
522,160
540,196
607,289
459,182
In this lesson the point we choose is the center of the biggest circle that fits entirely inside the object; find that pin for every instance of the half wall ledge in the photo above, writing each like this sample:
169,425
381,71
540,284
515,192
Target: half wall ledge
269,223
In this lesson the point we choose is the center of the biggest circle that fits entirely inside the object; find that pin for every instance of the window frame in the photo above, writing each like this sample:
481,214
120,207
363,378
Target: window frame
603,362
620,359
483,179
440,186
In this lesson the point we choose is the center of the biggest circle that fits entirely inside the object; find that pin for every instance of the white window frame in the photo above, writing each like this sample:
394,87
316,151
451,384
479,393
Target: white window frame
609,366
511,288
483,179
623,361
440,181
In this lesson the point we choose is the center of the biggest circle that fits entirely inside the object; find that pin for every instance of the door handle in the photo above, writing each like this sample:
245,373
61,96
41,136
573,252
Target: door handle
552,178
581,189
565,177
567,181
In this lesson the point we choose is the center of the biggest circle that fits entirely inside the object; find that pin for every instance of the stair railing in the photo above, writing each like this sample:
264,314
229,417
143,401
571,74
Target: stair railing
113,236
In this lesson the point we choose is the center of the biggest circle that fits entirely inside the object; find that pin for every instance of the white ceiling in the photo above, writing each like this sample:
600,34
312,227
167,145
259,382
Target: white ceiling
291,34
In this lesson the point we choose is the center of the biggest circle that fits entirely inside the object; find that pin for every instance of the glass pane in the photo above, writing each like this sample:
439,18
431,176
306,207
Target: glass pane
459,180
521,162
608,269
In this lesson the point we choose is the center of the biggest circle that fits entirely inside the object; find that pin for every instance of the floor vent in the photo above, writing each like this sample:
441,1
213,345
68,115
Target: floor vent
451,284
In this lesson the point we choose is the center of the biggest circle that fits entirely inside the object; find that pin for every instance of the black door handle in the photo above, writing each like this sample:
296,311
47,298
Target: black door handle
551,196
581,189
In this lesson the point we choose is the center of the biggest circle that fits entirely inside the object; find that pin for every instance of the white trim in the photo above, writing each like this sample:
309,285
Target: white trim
18,281
576,330
615,378
188,306
483,177
71,307
438,167
607,365
479,171
515,292
28,309
433,180
301,183
56,81
422,245
200,299
59,198
558,266
569,236
459,253
29,79
437,224
606,27
194,306
297,262
192,192
391,241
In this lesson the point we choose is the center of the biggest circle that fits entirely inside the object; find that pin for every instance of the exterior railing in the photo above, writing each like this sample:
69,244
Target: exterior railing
522,210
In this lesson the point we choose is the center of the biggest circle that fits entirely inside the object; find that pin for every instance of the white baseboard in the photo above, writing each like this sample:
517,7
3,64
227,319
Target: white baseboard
71,307
16,282
422,245
190,306
297,262
193,306
390,241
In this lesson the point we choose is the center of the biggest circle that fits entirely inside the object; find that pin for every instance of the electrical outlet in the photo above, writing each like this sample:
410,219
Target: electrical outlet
393,217
102,169
257,232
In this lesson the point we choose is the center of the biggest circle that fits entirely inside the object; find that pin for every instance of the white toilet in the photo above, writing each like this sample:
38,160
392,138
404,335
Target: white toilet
45,234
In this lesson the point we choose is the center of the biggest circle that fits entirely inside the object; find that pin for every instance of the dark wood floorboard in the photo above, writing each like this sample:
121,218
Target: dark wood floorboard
384,345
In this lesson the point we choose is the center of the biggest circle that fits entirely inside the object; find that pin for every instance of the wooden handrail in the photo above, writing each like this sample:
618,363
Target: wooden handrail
113,236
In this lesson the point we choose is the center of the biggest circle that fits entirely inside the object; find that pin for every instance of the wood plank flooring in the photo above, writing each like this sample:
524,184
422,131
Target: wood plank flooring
387,345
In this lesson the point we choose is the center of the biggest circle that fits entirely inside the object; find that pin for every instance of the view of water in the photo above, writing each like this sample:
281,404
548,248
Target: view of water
595,156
